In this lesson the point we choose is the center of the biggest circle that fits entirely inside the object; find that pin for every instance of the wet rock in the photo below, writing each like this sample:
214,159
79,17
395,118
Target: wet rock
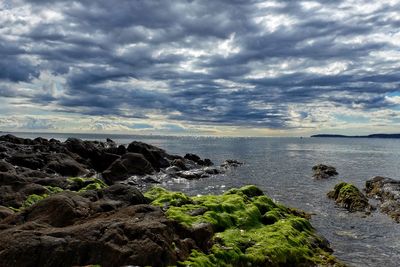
192,174
231,163
322,171
387,190
180,163
349,197
128,165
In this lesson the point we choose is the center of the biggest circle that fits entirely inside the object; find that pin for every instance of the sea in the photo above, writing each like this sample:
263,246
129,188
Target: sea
282,168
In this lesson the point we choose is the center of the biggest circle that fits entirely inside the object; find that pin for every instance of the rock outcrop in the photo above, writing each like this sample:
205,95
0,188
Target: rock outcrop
110,227
322,171
387,190
349,197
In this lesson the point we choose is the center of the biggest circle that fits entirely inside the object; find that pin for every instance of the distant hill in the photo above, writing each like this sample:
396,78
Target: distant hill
358,136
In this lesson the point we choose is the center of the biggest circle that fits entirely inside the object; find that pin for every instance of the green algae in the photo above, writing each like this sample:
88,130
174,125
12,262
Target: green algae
348,196
84,184
33,199
250,229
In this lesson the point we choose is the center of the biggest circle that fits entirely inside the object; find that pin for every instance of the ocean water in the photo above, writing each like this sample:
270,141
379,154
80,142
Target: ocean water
281,167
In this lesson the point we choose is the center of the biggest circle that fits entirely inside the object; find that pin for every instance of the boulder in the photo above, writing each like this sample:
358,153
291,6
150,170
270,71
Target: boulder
322,171
387,190
32,161
156,156
349,197
128,165
64,165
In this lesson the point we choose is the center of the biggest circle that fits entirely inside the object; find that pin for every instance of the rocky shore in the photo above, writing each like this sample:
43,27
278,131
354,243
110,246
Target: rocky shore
79,203
385,190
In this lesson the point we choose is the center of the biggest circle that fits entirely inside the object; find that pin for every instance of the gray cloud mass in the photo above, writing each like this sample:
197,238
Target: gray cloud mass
234,63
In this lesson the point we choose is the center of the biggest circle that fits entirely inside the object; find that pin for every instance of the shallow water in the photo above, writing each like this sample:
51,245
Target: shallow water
282,168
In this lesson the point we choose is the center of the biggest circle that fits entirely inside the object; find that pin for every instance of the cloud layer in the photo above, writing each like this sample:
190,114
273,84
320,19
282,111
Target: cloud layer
285,66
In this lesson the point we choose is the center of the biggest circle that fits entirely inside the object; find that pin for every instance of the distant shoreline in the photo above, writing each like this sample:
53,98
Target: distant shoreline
385,136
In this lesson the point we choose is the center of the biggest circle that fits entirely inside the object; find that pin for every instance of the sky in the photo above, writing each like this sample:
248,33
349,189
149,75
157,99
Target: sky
205,67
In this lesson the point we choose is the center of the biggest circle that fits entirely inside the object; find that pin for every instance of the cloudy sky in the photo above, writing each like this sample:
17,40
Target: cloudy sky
207,67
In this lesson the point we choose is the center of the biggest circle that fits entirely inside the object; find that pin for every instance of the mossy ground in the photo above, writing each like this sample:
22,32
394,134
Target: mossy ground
250,229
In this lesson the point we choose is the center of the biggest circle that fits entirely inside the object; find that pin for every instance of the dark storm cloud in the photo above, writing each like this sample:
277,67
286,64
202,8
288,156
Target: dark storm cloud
203,61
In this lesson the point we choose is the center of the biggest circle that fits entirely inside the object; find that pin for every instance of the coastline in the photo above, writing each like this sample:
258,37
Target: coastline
89,203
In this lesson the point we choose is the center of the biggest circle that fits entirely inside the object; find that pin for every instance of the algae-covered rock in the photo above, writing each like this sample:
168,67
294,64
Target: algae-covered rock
250,229
322,171
349,197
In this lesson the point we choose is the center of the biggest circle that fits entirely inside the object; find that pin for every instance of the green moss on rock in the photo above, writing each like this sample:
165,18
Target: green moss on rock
80,184
349,197
250,229
33,199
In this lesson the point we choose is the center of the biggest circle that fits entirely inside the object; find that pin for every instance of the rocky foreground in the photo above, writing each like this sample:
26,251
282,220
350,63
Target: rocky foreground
78,203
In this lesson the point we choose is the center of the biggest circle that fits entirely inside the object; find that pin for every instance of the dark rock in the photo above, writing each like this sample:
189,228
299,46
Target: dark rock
31,161
6,167
64,165
211,170
207,162
192,174
387,190
202,234
32,188
41,141
192,157
13,139
10,197
5,212
121,150
156,156
57,210
128,165
198,160
349,197
180,164
34,173
231,163
127,194
322,171
138,235
11,179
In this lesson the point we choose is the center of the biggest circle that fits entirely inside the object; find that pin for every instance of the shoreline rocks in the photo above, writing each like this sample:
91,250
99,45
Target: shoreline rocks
48,218
387,191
